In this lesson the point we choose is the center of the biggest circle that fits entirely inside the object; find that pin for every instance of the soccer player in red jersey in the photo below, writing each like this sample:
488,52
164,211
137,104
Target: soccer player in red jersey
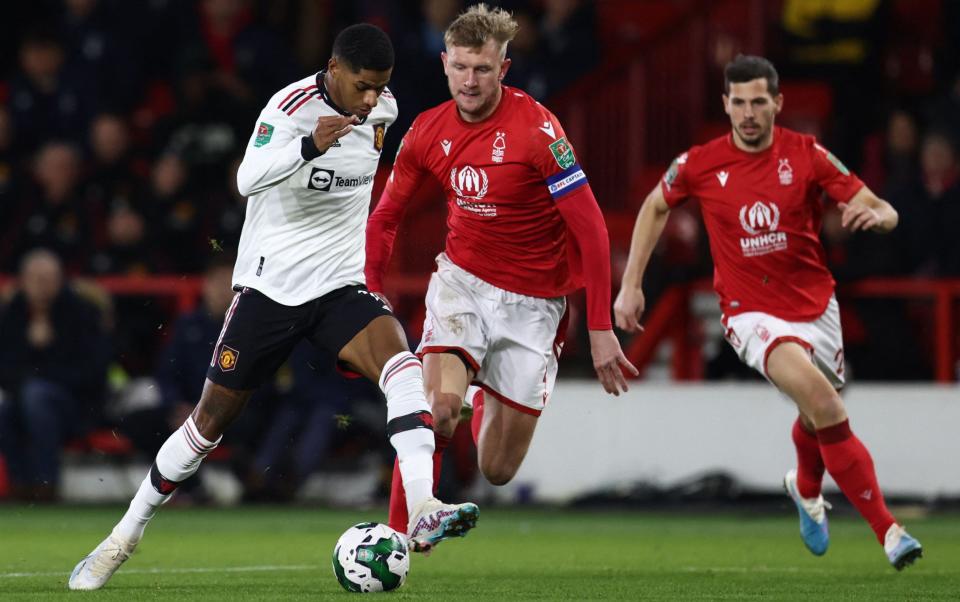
523,229
760,190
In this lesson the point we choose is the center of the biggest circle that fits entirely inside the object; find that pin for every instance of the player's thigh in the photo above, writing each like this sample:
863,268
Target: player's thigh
257,336
358,329
826,337
790,369
455,320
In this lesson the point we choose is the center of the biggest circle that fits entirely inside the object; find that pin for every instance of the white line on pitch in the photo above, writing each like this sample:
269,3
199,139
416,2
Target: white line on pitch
750,569
160,571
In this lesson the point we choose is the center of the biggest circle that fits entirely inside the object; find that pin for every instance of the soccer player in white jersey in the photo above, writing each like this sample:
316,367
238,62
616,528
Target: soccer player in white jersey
308,172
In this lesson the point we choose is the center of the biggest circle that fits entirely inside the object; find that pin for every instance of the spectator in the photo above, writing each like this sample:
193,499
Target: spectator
568,29
53,214
53,356
178,219
47,100
928,208
941,184
98,39
226,63
116,175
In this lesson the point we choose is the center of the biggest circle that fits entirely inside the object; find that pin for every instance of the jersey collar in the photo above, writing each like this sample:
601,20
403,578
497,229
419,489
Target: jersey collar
326,97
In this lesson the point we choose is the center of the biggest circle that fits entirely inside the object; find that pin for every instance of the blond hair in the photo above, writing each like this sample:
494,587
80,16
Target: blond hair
480,23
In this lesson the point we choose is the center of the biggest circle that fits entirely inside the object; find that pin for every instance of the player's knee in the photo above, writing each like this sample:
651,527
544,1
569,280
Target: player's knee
498,473
445,408
826,408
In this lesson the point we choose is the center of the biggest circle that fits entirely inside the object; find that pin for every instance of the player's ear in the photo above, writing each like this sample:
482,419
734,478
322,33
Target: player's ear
777,103
332,66
726,103
443,60
504,67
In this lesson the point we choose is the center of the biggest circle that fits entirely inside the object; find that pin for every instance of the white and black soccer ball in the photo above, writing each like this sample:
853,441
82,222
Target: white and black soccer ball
371,557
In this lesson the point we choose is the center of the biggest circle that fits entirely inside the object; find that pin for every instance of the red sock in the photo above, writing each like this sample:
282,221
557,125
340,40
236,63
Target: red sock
851,466
398,517
809,461
441,444
398,502
477,418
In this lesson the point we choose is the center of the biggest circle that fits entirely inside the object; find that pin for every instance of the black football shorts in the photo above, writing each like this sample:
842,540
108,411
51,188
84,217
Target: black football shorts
258,333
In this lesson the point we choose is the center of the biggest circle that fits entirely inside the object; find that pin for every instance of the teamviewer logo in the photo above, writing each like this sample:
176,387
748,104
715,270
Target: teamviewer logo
320,179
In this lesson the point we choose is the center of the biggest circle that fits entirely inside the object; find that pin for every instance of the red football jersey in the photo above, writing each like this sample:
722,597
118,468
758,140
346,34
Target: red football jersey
502,177
763,213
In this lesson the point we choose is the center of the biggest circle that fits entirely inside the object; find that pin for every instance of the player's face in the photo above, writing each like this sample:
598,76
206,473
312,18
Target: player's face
752,111
474,76
356,92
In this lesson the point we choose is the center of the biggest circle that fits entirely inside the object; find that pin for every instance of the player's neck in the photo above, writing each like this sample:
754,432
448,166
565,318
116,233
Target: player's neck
753,148
331,93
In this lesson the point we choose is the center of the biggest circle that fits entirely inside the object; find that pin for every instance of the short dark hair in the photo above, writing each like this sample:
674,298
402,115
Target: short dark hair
745,68
364,46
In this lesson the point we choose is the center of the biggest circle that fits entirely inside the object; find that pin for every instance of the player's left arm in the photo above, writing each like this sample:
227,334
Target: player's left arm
585,223
553,157
863,210
867,211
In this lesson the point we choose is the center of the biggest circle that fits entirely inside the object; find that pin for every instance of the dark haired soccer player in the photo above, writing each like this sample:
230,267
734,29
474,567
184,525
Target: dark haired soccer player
760,189
308,172
524,231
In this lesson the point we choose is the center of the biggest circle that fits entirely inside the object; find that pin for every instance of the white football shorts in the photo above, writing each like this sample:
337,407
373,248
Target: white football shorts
754,335
511,341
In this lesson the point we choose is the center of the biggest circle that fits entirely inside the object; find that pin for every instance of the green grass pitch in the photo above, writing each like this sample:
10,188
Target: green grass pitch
284,554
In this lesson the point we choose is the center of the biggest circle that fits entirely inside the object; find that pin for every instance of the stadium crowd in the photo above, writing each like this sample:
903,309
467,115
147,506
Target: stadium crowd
122,125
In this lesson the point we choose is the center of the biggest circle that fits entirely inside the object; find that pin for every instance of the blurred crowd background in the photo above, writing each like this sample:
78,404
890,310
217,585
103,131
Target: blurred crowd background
122,124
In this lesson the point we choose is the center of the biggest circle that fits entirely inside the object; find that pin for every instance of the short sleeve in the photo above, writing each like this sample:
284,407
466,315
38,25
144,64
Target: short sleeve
674,181
833,176
407,166
554,158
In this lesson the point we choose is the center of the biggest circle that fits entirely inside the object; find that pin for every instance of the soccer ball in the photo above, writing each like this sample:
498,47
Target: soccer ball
371,557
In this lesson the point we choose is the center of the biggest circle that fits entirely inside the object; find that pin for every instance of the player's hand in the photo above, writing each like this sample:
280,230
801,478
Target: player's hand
608,359
858,216
383,298
628,308
331,128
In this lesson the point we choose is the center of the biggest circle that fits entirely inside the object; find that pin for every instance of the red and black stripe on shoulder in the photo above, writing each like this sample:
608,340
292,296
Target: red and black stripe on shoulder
297,98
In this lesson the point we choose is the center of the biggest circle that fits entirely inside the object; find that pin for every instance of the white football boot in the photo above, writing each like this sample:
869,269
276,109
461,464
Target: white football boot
96,569
433,521
902,550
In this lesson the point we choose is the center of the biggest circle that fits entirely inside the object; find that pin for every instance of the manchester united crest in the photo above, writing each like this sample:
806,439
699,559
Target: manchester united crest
379,133
227,360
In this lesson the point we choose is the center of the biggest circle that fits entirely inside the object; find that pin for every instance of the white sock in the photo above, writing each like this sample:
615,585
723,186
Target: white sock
176,461
410,425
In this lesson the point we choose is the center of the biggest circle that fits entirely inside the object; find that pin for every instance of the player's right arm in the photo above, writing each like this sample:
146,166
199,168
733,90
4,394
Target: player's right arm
382,226
651,220
277,150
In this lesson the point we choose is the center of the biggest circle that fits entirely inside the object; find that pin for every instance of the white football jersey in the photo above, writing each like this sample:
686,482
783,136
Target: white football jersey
303,234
